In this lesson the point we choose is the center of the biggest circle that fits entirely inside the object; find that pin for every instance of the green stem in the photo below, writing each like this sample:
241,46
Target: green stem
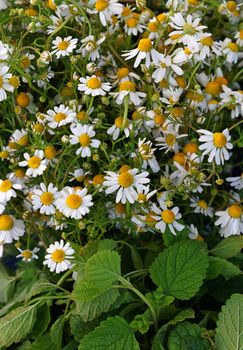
125,114
62,279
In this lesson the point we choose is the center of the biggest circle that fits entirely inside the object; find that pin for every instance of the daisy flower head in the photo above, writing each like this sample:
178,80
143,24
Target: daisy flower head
239,38
125,183
207,46
169,140
231,50
127,89
61,115
123,74
74,203
144,51
83,135
164,65
236,181
58,256
93,86
133,24
201,206
7,189
147,154
144,194
167,218
36,164
193,234
116,128
10,228
107,8
44,198
28,255
63,47
90,47
183,55
230,221
4,82
19,137
216,145
233,100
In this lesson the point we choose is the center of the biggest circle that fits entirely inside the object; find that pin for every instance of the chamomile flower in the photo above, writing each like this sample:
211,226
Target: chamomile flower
7,189
207,46
83,135
127,89
10,228
116,128
28,255
194,233
4,82
90,47
44,198
107,8
125,183
19,137
201,206
144,194
233,100
36,164
63,47
58,257
164,65
133,26
236,181
123,74
74,203
230,221
61,115
231,50
143,51
93,86
169,140
239,37
216,145
167,218
183,55
147,154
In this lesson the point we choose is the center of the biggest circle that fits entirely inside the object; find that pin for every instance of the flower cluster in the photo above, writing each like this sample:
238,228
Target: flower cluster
118,118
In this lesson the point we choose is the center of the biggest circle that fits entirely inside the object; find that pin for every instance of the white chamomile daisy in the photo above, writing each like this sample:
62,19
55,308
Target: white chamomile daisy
143,51
165,65
144,194
167,217
44,198
127,89
216,145
10,228
83,135
147,154
201,206
125,183
36,164
230,220
116,128
231,50
28,255
236,181
193,234
169,140
93,86
61,115
74,203
90,47
7,189
239,37
63,47
4,82
107,8
20,137
58,257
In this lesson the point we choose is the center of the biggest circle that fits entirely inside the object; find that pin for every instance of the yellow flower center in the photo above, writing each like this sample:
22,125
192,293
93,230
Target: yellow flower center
101,5
231,5
153,27
179,158
58,255
98,179
170,139
84,140
219,139
124,168
233,47
208,41
145,45
235,211
82,115
46,198
181,82
159,119
190,148
5,186
149,218
122,72
34,162
1,82
194,96
59,117
126,11
73,201
23,140
22,99
6,223
127,85
14,81
27,254
161,17
25,62
189,29
118,122
63,45
125,179
146,152
94,83
19,173
38,128
202,204
132,22
120,208
168,216
212,88
142,197
187,51
50,152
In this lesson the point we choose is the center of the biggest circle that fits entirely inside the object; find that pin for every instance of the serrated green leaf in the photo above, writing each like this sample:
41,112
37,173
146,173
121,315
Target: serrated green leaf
112,334
180,269
79,328
41,286
228,247
17,324
56,332
218,266
107,244
170,239
229,331
5,285
187,336
44,342
43,318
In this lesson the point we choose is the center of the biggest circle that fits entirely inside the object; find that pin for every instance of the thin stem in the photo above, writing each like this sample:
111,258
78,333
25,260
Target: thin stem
125,114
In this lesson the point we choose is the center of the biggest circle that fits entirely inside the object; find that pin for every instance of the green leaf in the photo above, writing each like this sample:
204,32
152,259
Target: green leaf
79,328
229,331
112,334
41,286
218,266
44,342
17,324
170,239
103,269
43,318
187,336
107,244
56,332
136,259
228,247
180,269
5,285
